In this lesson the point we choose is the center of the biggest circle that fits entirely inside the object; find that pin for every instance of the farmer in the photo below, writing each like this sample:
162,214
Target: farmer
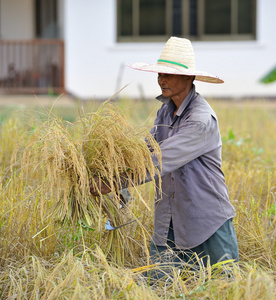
193,215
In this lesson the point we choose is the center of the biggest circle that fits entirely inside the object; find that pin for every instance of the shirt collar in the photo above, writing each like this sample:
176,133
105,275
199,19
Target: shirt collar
183,105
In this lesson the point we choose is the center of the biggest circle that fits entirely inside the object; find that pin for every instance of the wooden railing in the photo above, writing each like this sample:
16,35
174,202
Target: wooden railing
31,66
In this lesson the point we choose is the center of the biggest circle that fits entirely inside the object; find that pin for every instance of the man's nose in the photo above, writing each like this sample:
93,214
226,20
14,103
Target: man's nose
161,79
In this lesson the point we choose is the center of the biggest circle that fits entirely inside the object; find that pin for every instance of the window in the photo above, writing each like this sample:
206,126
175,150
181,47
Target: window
46,12
142,20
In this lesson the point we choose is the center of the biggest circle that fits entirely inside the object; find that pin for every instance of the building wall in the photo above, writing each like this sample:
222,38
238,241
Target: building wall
17,19
95,63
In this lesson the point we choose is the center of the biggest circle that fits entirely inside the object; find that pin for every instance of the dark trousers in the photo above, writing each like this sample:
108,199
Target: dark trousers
221,246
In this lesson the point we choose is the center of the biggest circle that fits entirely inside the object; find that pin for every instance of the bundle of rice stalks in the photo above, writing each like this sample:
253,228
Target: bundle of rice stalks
67,158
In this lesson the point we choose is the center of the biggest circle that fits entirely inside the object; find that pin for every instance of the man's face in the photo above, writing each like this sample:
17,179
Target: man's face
174,85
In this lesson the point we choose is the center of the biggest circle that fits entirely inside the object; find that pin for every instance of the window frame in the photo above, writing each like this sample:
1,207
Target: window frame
201,36
135,23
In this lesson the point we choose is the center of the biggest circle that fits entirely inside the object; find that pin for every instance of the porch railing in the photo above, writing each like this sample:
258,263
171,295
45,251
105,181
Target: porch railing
31,66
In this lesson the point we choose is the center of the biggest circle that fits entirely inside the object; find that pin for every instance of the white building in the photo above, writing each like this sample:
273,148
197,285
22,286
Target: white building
236,42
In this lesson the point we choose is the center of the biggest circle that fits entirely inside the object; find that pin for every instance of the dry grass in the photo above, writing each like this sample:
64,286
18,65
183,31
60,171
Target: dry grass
63,158
46,259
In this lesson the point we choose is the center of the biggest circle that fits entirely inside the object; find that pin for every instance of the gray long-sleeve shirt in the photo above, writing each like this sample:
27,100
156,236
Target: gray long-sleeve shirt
194,193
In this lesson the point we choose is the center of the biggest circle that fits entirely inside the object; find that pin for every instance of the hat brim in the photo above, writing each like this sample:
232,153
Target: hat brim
159,68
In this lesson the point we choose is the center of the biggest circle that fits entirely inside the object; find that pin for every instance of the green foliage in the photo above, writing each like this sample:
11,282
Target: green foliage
231,139
269,77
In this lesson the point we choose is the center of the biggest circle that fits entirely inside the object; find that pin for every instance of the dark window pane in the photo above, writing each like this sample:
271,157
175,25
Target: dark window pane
125,17
217,16
193,17
152,17
176,18
46,19
245,16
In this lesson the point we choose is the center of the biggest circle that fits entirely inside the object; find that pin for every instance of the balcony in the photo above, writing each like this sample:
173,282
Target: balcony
32,66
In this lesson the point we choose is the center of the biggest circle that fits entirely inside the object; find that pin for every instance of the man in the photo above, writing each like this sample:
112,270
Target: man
193,214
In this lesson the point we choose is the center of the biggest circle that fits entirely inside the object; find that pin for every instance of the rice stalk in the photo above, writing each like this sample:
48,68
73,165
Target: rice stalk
65,158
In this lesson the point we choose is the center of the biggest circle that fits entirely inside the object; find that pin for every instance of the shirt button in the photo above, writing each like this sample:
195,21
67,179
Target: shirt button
172,195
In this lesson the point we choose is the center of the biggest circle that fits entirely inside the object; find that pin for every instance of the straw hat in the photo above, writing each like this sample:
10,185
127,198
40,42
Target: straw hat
177,57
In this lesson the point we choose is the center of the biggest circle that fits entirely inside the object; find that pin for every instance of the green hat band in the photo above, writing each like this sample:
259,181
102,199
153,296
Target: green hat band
172,62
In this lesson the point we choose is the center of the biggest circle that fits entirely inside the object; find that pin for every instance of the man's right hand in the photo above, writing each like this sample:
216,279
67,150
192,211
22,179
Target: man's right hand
103,187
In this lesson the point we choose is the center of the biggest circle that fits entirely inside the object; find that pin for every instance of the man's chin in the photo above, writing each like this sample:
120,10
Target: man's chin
165,93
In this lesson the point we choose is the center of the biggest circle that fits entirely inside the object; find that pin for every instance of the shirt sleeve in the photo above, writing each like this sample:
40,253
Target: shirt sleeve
193,139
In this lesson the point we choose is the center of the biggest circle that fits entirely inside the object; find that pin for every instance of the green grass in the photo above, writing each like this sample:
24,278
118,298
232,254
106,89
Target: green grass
43,258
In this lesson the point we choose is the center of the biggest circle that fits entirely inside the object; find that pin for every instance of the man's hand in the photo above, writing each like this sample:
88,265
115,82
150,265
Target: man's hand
103,187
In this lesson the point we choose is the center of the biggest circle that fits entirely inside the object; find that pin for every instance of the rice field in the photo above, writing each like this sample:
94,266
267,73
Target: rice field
54,241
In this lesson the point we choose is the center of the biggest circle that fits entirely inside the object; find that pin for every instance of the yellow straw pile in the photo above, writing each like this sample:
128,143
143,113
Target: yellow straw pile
66,157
